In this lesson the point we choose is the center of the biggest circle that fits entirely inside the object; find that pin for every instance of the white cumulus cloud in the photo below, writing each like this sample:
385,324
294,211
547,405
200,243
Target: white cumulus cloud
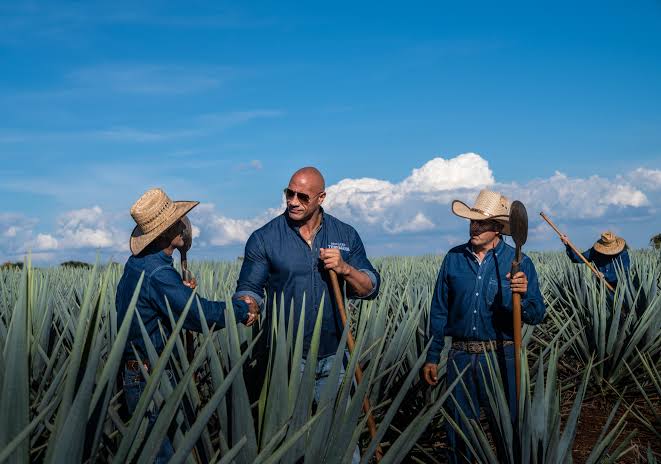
90,228
421,201
44,242
649,179
217,230
418,224
17,230
380,209
407,206
465,171
577,198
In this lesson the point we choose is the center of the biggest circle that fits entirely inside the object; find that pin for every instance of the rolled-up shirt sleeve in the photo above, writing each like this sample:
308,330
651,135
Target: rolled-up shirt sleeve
254,270
166,283
358,259
438,315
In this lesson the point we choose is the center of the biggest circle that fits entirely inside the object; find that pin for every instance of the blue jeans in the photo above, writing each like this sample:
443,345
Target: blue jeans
476,391
134,384
324,366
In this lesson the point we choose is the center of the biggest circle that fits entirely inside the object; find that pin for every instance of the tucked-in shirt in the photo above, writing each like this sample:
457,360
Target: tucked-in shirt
473,301
162,281
279,262
606,264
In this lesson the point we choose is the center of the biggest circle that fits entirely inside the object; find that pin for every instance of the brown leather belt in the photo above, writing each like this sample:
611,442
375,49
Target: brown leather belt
477,347
134,365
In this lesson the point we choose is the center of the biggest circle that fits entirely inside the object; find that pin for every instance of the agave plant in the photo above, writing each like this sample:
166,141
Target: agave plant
63,347
536,436
609,328
648,386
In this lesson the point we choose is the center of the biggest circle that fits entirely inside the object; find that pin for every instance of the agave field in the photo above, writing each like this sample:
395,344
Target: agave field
591,378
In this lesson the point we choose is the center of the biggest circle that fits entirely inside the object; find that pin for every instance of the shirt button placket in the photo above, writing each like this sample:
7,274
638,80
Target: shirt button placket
477,294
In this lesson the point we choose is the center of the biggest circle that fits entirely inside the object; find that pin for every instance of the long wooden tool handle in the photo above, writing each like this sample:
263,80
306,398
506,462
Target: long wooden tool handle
184,264
339,299
516,323
578,252
190,340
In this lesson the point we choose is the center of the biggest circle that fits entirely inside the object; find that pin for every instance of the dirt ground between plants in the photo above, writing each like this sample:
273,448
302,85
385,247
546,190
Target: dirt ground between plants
594,415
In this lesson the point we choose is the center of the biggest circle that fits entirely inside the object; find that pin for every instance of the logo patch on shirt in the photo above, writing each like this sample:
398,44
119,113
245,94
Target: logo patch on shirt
340,246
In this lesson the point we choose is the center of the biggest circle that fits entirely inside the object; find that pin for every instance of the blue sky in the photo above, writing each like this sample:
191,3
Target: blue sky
221,102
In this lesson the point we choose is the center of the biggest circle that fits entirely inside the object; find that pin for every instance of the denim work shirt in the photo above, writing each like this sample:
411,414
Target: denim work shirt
279,260
605,263
162,280
473,301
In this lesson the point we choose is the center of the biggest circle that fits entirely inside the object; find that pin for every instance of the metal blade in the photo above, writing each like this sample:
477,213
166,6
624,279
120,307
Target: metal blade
518,223
187,234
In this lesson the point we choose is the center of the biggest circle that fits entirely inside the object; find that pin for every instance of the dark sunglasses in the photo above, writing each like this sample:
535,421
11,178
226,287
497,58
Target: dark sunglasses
303,197
486,225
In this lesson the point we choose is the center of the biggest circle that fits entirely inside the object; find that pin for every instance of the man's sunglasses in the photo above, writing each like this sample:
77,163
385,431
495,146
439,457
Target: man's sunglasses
303,197
486,225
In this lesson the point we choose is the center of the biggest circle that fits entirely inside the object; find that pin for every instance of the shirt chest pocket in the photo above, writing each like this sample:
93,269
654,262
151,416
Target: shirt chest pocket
493,288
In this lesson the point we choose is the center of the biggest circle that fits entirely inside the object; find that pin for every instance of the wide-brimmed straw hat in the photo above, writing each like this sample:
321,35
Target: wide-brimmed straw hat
488,205
609,244
154,213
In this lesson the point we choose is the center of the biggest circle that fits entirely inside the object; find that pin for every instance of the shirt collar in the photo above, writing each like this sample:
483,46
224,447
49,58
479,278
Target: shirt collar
160,254
496,250
165,257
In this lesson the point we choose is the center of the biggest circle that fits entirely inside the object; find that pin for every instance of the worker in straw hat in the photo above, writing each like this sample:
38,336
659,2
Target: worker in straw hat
608,253
472,303
158,232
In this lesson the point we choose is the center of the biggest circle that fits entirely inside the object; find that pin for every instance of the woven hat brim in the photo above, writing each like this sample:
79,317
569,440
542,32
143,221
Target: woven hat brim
614,249
461,209
139,241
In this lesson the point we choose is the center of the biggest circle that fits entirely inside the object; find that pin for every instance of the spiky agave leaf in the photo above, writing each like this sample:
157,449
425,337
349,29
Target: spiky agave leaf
537,438
59,297
14,396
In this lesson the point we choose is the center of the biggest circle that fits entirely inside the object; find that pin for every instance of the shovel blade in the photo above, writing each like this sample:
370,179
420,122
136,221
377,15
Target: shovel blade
187,234
518,223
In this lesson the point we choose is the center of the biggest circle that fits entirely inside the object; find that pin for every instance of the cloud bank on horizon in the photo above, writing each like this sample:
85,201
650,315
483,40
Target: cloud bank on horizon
387,214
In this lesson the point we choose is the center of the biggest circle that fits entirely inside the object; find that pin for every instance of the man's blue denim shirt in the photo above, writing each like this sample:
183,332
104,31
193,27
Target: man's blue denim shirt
278,260
162,280
473,301
606,264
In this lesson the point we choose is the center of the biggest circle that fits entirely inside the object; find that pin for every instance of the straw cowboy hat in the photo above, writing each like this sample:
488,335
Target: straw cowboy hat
609,244
488,205
154,213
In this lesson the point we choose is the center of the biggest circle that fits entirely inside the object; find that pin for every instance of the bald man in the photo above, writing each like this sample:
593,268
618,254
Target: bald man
292,255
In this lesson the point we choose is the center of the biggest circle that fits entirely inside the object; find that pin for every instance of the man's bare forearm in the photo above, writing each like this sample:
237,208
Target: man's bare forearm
360,282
